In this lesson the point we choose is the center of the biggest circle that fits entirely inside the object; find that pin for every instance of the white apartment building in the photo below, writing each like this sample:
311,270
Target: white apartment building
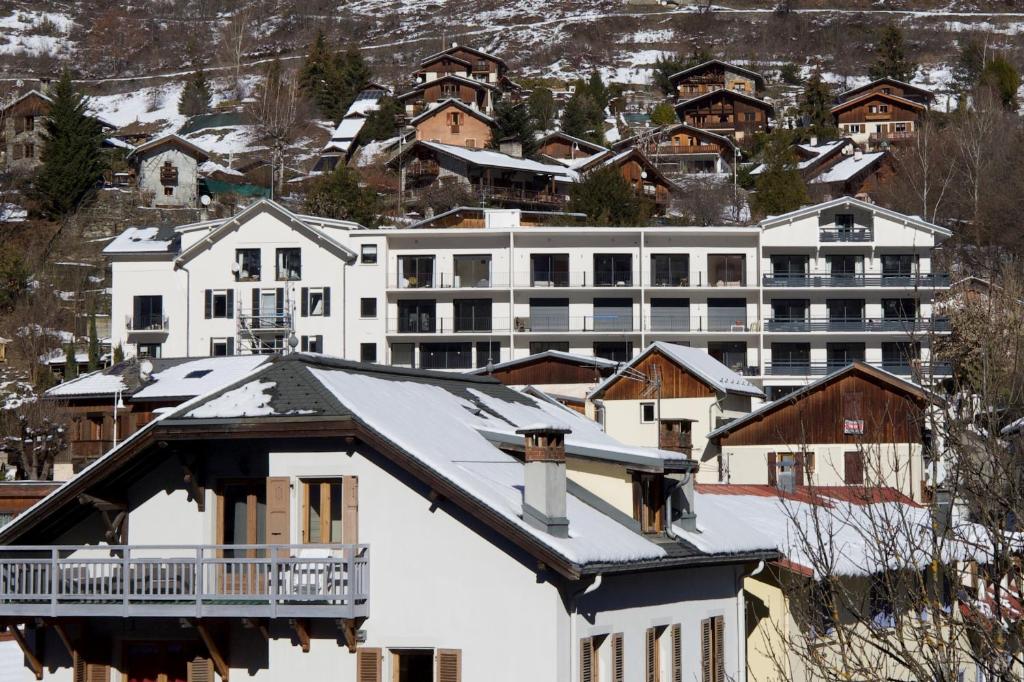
781,302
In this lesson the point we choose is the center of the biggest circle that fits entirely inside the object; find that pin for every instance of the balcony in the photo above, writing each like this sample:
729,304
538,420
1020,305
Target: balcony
697,324
913,368
587,323
446,325
141,324
524,197
895,136
447,280
846,234
272,581
833,324
818,280
264,321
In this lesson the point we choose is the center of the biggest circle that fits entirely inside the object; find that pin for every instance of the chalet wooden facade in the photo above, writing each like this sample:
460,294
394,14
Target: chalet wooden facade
649,183
464,60
875,117
562,376
715,75
889,86
857,426
476,94
680,150
563,147
455,123
727,112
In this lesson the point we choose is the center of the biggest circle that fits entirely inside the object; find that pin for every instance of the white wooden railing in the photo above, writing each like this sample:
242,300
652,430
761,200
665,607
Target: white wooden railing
186,580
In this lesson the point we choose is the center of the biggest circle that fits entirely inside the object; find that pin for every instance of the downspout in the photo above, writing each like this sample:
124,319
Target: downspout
188,311
741,620
599,405
574,602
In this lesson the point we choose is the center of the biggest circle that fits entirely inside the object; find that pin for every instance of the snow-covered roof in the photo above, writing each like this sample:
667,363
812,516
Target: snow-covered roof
849,168
867,86
436,107
173,141
813,153
493,159
851,202
577,358
197,377
471,82
718,62
750,99
854,101
93,383
352,123
142,240
697,362
544,138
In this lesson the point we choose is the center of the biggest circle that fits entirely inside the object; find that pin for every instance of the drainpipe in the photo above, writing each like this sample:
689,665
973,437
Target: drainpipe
188,311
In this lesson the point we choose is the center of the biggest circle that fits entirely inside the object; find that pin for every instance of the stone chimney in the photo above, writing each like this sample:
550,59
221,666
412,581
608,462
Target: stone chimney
676,435
544,477
512,147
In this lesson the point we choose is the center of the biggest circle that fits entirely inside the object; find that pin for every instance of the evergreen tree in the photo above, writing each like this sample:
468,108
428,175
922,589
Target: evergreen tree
118,354
1003,79
663,114
970,63
664,68
72,157
339,195
816,106
607,199
70,363
381,124
354,75
514,121
598,92
780,188
582,117
319,78
541,105
195,96
94,344
891,60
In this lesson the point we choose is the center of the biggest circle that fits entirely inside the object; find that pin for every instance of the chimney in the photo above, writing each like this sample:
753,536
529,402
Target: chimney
676,435
512,147
814,140
681,500
858,155
544,477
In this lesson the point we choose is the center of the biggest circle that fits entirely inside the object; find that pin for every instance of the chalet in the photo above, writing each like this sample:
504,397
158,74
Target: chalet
462,60
873,118
814,157
477,94
858,175
345,138
643,176
500,178
680,150
23,125
453,122
727,112
889,86
565,377
859,425
269,528
671,396
167,170
562,147
475,216
715,75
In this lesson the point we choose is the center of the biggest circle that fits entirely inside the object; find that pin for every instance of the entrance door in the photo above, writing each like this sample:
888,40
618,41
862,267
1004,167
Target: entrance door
158,661
268,309
242,520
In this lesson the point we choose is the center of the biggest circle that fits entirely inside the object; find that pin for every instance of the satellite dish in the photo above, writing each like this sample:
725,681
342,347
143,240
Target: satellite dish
234,267
205,200
643,174
145,370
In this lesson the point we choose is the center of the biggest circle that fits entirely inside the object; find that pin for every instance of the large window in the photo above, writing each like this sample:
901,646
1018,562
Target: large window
321,512
549,269
415,272
794,357
845,268
472,271
148,313
898,267
417,316
242,516
249,265
899,309
149,350
613,314
727,270
727,314
542,346
670,314
617,351
790,310
789,265
670,270
472,315
548,314
613,269
732,354
488,353
446,355
899,356
845,311
289,264
842,354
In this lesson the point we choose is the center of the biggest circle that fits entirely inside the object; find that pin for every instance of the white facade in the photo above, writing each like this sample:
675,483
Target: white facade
781,302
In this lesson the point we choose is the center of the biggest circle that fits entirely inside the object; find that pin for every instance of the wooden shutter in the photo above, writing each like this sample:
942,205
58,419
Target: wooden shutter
208,307
255,302
719,622
78,668
350,510
798,469
773,469
706,650
587,660
231,346
83,671
278,510
449,665
368,665
304,344
231,303
853,468
305,301
200,669
677,653
319,343
327,302
280,301
618,659
650,656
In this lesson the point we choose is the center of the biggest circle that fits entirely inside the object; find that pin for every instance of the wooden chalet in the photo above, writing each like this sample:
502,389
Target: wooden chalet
643,176
17,496
564,147
859,174
715,75
454,122
876,117
727,112
889,86
560,375
477,217
463,59
474,93
680,149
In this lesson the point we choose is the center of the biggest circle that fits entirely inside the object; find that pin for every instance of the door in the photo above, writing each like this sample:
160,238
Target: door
242,520
268,308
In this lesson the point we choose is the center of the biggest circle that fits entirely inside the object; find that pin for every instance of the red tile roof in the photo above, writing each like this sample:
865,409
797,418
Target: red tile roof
819,494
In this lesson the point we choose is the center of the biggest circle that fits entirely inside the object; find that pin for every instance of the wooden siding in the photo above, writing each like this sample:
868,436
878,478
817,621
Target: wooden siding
889,415
675,381
435,92
714,77
550,371
725,112
438,127
897,111
563,149
631,171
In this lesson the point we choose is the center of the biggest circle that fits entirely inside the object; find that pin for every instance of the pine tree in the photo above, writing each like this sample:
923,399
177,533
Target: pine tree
816,106
94,344
541,105
582,118
598,91
320,79
970,63
70,362
891,60
339,195
608,200
72,158
1003,79
382,123
663,114
513,121
664,68
780,188
196,95
354,76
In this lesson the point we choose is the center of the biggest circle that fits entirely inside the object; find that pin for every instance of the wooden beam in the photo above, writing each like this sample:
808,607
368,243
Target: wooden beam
301,632
196,491
215,655
101,504
349,630
58,627
30,657
257,624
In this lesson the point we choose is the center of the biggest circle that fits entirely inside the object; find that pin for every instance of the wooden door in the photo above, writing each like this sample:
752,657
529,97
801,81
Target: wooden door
242,520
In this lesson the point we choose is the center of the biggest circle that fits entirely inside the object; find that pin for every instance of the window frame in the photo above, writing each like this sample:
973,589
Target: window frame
369,254
279,264
362,308
326,502
214,295
240,259
644,406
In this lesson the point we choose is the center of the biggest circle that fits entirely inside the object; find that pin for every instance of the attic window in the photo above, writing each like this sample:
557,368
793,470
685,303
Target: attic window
198,373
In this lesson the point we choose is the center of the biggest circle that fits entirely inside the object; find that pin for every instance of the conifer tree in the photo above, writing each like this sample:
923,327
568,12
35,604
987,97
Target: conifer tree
891,60
514,121
196,95
598,90
94,344
816,106
381,124
663,114
780,188
1003,79
70,363
355,76
582,118
319,78
72,158
340,195
541,104
607,199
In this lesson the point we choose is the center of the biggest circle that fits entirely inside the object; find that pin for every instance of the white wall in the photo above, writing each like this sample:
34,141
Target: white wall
184,192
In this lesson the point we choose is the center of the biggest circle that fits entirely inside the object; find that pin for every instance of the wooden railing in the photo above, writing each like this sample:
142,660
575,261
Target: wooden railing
185,580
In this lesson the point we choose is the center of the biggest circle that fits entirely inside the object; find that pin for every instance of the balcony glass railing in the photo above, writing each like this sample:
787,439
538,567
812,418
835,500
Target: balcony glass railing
852,324
840,280
817,368
147,323
446,325
846,234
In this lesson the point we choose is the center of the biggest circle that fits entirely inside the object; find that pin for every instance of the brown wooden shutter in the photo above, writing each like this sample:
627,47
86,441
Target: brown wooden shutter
706,650
449,665
587,660
651,656
278,510
78,667
719,622
350,510
368,664
853,468
618,659
83,671
773,469
798,469
677,653
200,669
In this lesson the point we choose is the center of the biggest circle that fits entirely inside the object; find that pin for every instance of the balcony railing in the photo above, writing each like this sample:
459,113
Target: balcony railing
587,323
893,136
803,368
268,581
146,323
513,195
447,325
846,234
447,280
815,280
850,324
696,323
264,321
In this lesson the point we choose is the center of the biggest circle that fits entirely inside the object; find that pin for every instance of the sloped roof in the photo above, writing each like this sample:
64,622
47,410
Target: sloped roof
718,62
575,358
617,159
137,240
456,48
451,102
487,158
471,82
694,360
850,167
671,129
854,101
579,142
851,202
171,141
847,94
722,92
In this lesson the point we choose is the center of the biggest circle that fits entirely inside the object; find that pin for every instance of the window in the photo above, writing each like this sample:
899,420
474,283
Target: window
311,344
289,264
30,122
446,355
148,350
470,143
30,150
712,649
148,313
472,271
368,254
845,266
168,191
872,108
248,261
417,316
855,128
219,347
617,351
727,314
791,358
853,468
242,516
546,314
791,268
220,303
791,313
883,108
901,127
670,314
487,353
542,346
845,221
472,314
732,354
612,314
670,269
403,354
449,90
613,269
727,270
899,309
647,413
749,116
898,266
321,511
367,307
415,272
316,302
898,356
840,355
367,352
549,270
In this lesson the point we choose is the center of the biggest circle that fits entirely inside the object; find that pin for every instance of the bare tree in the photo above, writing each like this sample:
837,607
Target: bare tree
33,436
236,35
925,170
279,111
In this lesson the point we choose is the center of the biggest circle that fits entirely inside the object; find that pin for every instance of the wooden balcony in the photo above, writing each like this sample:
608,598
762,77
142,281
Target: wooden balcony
665,149
186,581
168,175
